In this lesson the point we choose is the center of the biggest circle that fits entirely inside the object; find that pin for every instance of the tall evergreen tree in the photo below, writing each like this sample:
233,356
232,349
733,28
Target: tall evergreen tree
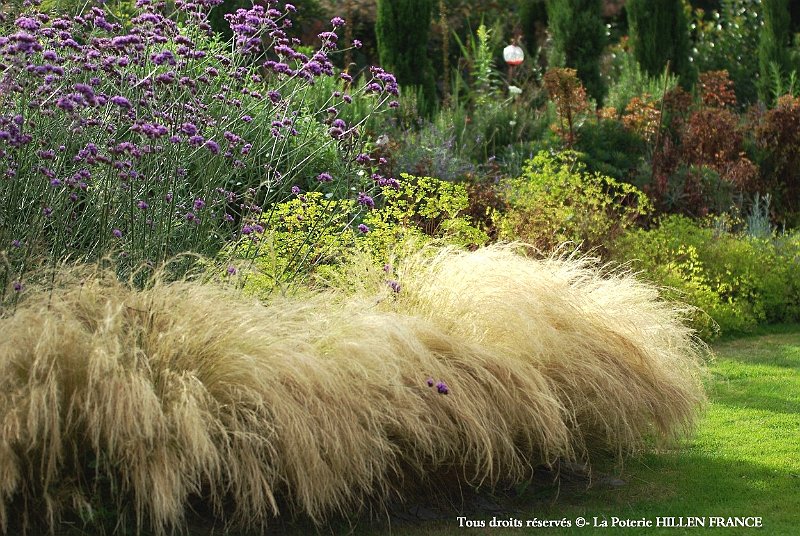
402,28
659,33
773,45
533,20
578,40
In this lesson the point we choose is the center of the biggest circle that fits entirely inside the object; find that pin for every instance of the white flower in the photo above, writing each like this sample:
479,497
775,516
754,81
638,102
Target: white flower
514,90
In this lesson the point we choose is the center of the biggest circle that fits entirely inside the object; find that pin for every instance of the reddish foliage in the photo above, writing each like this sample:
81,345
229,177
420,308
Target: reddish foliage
716,89
569,96
712,138
677,106
643,116
778,135
484,200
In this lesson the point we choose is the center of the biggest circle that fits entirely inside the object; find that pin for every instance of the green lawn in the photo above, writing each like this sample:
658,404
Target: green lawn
743,461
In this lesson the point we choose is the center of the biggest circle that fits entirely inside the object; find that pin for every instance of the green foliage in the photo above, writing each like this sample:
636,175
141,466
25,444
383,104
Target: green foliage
659,33
773,45
725,39
578,40
402,29
736,281
314,234
478,54
611,149
630,80
533,19
779,84
557,200
422,207
301,234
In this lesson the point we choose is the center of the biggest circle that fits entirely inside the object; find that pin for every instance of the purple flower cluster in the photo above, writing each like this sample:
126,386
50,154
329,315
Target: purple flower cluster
441,387
365,200
148,126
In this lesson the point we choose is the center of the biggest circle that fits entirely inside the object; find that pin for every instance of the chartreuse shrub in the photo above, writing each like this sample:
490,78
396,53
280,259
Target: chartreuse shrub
324,232
422,207
149,402
736,282
157,138
557,200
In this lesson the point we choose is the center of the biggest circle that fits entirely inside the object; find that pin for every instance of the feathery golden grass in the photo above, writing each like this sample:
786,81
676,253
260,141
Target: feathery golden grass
620,361
151,398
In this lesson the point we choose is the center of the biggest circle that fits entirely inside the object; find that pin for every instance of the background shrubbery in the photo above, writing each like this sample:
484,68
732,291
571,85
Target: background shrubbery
122,153
736,281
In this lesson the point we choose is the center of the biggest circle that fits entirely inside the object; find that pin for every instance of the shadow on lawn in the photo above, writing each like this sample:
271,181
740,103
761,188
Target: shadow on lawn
667,484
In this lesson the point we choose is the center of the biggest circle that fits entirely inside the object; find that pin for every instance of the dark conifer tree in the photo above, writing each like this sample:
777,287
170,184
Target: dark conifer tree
578,39
402,28
533,19
773,46
659,33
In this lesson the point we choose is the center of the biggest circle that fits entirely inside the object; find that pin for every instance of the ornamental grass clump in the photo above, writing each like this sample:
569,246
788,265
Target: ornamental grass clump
147,399
619,360
155,138
474,367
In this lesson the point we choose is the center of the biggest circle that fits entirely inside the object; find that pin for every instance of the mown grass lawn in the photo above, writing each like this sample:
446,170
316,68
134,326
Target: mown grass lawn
743,461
